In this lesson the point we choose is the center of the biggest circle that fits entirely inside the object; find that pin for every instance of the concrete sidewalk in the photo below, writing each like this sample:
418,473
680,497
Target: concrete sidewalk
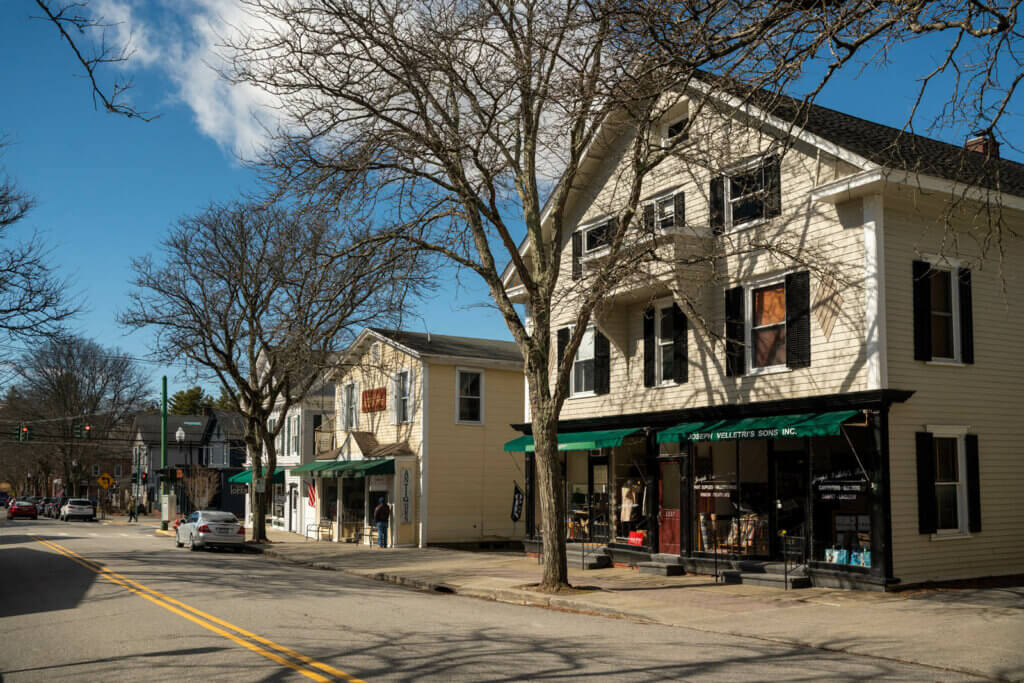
978,632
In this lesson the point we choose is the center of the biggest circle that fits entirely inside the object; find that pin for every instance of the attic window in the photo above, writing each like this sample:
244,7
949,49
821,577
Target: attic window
375,352
677,129
596,237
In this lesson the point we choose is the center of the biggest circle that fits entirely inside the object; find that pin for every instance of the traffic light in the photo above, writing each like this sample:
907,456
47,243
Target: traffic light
24,433
87,431
145,476
82,431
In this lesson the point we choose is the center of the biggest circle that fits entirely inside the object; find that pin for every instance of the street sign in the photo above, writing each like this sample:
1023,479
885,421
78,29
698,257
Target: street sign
105,480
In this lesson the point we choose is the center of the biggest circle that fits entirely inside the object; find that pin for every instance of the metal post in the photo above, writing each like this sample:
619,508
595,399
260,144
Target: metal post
165,494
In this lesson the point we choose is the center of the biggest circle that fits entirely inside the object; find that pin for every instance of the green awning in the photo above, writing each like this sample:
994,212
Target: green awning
576,441
772,427
311,467
245,477
360,468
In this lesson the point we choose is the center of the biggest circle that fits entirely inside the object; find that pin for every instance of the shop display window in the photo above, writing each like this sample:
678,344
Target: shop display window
630,505
716,522
587,499
841,498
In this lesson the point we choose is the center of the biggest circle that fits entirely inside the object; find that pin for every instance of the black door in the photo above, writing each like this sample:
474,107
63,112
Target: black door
790,497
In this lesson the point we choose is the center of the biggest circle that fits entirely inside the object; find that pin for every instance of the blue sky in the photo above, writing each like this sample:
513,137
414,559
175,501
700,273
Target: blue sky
107,188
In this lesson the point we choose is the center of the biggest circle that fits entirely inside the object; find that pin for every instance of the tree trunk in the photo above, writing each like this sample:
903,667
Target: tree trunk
550,486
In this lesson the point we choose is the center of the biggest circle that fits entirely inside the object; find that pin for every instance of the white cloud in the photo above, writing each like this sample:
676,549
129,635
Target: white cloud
183,39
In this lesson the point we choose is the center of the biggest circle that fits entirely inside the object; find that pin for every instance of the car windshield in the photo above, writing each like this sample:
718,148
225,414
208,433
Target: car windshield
218,517
78,501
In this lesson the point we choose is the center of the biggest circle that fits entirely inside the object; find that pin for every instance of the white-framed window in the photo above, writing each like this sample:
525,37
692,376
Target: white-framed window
469,396
749,191
349,407
95,470
375,352
664,212
596,237
403,396
117,469
296,436
583,365
663,338
949,449
945,314
271,424
766,325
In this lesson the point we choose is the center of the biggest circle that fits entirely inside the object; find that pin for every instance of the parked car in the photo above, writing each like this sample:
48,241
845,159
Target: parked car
23,508
77,507
210,528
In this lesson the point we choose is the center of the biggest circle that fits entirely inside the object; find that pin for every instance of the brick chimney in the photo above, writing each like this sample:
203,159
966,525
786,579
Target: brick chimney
983,143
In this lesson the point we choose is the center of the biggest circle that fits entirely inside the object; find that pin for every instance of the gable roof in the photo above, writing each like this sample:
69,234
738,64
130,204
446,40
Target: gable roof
897,149
148,426
425,344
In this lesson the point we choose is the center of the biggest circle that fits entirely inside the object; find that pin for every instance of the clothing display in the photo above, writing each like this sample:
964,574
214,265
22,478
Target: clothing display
631,494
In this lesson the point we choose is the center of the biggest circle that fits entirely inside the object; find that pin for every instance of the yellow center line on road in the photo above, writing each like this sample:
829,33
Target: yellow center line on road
205,620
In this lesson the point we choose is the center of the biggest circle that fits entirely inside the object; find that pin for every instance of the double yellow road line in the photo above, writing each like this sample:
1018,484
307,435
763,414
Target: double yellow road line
285,656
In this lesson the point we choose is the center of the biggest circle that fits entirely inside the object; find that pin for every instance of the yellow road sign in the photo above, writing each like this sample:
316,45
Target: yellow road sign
105,480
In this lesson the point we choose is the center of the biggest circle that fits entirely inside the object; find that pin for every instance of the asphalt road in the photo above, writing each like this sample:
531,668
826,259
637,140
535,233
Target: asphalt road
90,602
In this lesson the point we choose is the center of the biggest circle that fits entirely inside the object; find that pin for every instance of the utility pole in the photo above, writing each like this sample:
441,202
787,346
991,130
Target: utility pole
165,496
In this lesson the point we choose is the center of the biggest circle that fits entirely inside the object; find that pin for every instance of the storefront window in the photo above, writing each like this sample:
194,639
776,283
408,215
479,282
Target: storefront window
630,508
353,500
330,499
715,497
587,500
750,527
841,498
278,510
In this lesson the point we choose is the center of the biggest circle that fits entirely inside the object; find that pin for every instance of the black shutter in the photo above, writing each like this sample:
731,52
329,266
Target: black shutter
717,208
966,317
735,361
602,363
649,360
973,484
798,319
649,217
926,512
679,364
577,254
773,186
563,343
922,311
678,209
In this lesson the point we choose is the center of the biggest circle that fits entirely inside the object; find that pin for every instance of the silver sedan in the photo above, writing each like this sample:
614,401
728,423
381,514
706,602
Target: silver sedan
209,528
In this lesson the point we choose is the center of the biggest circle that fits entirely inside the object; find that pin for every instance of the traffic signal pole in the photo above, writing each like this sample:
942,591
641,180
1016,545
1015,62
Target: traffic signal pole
164,492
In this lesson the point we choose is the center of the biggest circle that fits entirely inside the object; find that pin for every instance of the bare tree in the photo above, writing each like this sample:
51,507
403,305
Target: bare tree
33,299
202,485
65,383
478,128
86,36
258,297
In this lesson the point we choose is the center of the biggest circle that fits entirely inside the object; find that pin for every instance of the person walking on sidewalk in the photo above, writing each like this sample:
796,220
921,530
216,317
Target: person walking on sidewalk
381,515
133,513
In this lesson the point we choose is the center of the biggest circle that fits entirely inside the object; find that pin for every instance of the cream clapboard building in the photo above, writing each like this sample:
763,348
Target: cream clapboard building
420,422
856,388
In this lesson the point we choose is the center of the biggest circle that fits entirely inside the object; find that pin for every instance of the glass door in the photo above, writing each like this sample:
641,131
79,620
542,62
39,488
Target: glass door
790,496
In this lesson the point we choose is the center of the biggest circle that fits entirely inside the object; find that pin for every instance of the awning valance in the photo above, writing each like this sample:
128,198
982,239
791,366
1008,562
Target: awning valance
771,427
576,441
360,468
245,477
311,467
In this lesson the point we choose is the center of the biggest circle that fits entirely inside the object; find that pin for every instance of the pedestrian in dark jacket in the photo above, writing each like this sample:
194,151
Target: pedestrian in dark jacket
381,515
133,513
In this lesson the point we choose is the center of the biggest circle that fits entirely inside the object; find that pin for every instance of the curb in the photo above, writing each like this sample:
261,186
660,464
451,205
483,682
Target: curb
524,598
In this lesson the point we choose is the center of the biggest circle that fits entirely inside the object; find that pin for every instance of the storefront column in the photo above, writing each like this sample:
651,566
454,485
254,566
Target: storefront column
881,500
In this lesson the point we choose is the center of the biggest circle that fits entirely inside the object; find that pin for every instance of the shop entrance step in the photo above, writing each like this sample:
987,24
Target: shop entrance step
594,557
769,577
661,568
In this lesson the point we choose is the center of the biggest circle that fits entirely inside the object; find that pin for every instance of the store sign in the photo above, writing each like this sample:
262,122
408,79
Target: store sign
377,482
517,503
375,400
238,489
406,508
637,537
841,490
768,433
712,489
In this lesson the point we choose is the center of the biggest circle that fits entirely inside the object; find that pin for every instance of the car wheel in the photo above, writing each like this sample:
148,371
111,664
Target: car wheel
192,544
177,540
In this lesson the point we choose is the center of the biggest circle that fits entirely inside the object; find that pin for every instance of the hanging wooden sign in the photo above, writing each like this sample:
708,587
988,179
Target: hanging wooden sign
375,400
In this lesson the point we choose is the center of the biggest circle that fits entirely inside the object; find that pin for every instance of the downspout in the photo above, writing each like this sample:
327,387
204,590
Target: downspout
424,451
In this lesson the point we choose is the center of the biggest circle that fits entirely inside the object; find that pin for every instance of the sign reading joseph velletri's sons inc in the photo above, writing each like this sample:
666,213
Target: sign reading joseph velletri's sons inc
729,435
